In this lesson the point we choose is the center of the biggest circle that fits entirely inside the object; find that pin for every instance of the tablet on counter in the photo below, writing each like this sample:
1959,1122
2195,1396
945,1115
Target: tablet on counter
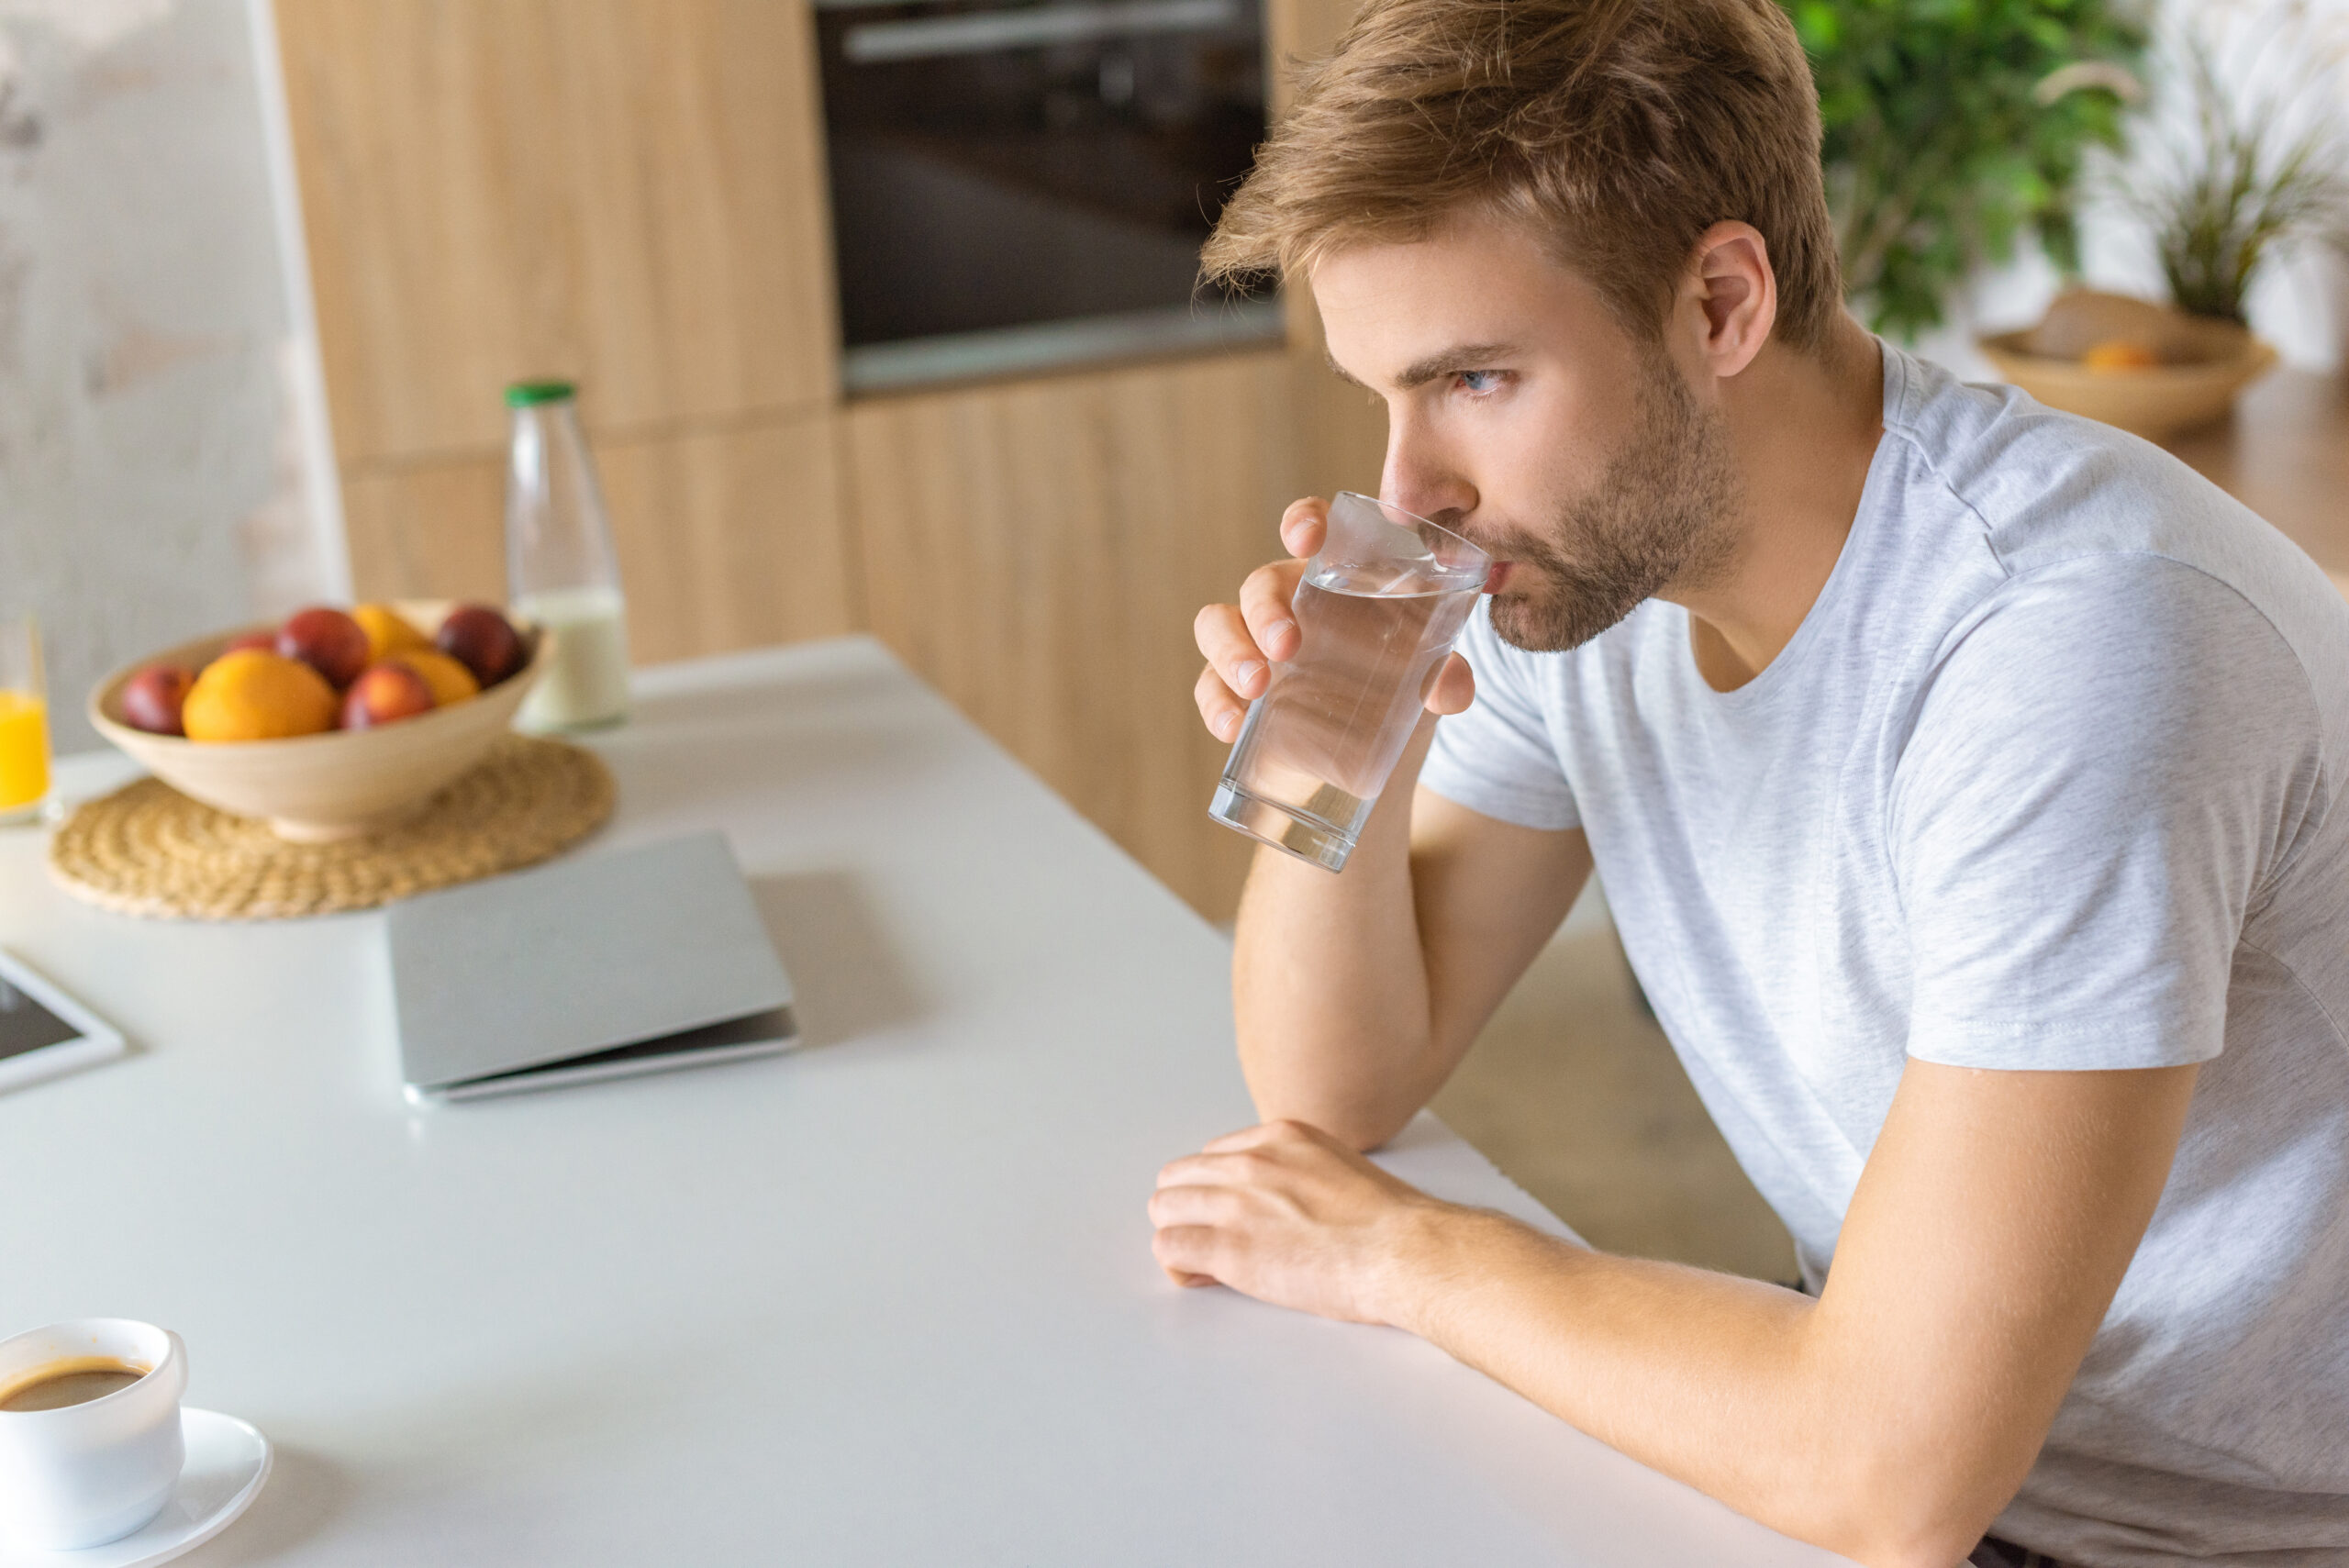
43,1031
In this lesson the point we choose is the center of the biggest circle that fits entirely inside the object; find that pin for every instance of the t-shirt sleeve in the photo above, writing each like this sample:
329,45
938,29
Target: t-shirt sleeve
1498,757
2112,758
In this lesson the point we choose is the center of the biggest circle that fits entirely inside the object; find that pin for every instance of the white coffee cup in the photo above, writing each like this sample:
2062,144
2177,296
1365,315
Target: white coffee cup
87,1474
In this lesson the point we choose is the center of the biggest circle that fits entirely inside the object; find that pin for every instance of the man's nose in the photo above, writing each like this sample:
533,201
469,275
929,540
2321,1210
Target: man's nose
1420,477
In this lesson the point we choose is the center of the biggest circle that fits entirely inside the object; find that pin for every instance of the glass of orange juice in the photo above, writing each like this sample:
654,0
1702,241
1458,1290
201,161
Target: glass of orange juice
23,721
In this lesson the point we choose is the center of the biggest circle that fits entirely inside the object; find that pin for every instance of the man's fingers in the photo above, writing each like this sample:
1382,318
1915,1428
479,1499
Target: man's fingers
1223,638
1264,607
1183,1204
1222,711
1304,525
1183,1249
1236,673
1241,643
1209,1169
1453,688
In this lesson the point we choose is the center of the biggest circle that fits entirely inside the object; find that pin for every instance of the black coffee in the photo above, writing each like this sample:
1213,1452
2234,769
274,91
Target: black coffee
60,1383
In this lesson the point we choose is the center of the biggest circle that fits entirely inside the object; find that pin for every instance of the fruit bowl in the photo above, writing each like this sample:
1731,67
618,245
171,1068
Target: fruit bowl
2157,402
2201,364
337,785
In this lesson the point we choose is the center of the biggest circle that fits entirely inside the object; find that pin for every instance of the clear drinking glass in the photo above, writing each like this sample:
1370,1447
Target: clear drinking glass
1379,607
23,721
561,569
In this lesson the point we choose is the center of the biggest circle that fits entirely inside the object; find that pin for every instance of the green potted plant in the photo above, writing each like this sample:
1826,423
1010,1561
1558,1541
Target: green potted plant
2255,177
1953,126
2243,177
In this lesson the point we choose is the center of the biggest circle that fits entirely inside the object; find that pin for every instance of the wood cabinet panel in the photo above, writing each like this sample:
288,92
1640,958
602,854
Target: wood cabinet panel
428,530
626,192
1038,550
727,538
1340,430
732,538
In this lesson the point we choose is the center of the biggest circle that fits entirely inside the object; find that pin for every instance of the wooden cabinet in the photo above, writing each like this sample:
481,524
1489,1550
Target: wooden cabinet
735,535
624,191
1038,552
730,535
630,193
627,192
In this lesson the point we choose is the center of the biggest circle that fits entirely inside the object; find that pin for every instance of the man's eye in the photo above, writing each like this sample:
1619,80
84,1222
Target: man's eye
1480,382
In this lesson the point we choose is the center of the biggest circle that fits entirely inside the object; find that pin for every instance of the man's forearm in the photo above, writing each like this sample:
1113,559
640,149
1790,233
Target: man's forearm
1891,1419
1329,986
1730,1384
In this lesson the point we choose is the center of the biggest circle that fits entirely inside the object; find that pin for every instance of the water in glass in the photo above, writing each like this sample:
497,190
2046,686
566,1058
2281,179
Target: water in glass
1318,746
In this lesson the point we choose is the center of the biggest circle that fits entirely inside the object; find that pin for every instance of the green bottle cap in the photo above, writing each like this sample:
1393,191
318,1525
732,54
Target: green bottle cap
531,393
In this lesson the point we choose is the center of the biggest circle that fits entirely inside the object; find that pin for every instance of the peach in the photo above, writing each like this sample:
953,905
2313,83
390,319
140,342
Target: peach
450,682
483,642
153,698
384,693
327,640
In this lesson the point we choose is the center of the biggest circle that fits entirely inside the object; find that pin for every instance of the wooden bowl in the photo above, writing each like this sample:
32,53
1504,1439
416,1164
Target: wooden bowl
2157,401
317,788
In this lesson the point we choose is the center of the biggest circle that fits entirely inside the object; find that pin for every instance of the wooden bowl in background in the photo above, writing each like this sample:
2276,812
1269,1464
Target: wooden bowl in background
337,785
2204,363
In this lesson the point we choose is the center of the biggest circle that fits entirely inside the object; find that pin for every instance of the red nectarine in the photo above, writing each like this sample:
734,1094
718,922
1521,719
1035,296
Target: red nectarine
326,639
153,698
483,642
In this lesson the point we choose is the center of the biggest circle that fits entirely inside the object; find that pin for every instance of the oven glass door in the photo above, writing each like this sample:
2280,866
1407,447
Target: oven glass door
1017,186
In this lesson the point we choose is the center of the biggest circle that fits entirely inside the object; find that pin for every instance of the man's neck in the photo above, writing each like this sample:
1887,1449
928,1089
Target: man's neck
1804,429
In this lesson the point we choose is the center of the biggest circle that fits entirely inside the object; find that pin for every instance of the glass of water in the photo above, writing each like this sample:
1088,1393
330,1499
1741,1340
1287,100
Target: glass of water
1378,609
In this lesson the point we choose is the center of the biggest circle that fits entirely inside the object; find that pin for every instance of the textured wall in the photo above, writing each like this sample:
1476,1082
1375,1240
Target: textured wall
154,480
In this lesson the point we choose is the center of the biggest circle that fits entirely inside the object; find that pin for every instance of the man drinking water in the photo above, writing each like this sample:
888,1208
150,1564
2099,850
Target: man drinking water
1967,784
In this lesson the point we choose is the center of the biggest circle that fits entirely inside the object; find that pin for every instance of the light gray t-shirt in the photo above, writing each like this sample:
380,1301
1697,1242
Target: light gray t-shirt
2053,776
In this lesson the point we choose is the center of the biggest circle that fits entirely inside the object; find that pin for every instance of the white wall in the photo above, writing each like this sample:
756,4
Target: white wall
2301,307
163,463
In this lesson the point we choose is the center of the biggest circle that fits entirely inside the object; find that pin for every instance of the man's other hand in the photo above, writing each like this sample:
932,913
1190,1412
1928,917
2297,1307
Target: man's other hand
1288,1215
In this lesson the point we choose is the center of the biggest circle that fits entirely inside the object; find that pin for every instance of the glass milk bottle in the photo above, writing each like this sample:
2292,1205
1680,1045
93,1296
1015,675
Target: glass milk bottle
560,566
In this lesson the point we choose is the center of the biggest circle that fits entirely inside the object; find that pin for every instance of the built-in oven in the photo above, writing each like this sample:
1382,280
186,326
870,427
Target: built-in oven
1018,186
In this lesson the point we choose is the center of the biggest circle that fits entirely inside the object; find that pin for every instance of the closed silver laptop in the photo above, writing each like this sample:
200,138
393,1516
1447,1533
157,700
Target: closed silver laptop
602,967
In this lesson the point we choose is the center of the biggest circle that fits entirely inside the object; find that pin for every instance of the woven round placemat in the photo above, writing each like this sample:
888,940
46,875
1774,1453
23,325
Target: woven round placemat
148,850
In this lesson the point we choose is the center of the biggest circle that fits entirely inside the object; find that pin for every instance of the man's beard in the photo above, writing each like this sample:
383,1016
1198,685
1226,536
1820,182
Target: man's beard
1659,515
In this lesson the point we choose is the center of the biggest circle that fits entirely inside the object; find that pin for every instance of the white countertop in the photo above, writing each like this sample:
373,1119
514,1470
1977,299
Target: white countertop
886,1300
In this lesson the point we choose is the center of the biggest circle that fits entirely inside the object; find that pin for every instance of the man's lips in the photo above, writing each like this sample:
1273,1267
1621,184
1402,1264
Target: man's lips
1498,578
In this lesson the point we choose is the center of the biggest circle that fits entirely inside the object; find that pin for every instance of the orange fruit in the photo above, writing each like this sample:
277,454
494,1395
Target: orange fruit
387,631
2119,355
450,682
253,694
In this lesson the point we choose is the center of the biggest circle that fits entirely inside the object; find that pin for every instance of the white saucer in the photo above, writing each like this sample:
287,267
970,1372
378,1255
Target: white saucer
228,1461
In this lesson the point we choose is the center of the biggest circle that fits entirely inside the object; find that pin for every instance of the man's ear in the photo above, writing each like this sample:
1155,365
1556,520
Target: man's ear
1735,294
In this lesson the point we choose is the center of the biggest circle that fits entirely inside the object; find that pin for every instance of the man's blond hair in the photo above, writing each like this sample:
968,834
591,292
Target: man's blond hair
1617,131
